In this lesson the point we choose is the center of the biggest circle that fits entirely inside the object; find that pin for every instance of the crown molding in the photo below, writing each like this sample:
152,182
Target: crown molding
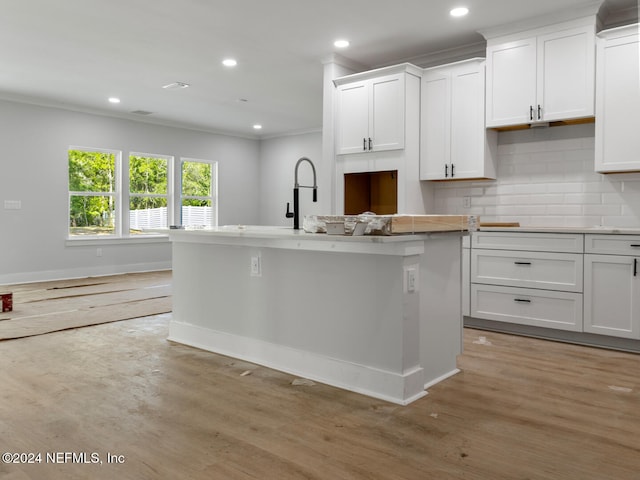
589,10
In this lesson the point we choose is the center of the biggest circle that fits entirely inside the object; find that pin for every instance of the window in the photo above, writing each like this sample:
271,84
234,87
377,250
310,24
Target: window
199,206
149,192
93,191
109,196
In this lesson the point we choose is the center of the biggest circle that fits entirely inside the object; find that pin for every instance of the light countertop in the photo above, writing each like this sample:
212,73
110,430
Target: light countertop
592,230
288,238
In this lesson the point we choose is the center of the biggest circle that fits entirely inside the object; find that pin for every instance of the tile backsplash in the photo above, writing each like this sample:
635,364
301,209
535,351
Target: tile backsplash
546,178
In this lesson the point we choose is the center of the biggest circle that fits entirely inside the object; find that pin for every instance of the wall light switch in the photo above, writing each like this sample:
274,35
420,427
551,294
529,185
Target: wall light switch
12,204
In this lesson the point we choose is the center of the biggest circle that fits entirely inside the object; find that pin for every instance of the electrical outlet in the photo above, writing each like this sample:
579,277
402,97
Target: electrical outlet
466,202
256,266
411,279
98,252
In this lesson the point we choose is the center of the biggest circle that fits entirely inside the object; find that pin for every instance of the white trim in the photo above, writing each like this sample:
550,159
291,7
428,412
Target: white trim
168,196
400,388
534,26
116,194
213,196
82,241
441,378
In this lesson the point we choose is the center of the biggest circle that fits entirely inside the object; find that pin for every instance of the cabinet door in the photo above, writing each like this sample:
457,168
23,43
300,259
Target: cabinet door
467,123
435,140
511,82
353,118
612,295
566,75
386,120
618,105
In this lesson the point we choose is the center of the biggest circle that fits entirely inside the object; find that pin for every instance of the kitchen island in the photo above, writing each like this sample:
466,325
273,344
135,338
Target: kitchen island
378,315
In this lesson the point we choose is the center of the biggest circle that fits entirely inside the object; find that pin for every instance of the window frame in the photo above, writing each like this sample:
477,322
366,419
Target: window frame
213,196
117,194
122,196
127,194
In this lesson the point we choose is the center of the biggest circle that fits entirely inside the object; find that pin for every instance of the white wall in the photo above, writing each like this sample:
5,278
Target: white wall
33,169
278,157
546,178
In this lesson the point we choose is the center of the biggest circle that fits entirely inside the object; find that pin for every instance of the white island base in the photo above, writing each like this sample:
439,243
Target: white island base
376,315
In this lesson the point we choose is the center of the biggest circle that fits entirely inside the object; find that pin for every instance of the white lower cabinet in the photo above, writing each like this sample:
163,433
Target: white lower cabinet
527,306
612,286
545,270
540,287
587,283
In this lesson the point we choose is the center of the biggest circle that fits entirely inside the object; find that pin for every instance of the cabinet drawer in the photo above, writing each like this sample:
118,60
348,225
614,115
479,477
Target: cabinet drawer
551,271
524,306
541,242
613,244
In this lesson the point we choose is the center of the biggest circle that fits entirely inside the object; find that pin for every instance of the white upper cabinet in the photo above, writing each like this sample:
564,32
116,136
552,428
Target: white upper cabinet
511,82
544,75
353,108
617,142
454,144
371,110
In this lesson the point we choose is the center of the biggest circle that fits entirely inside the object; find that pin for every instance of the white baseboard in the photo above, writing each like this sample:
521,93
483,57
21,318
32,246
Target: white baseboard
83,272
393,387
441,378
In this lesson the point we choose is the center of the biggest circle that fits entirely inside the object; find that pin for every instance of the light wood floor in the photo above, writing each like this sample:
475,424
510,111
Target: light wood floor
520,409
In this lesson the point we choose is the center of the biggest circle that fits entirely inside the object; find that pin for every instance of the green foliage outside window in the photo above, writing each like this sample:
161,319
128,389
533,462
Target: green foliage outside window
196,182
147,175
91,172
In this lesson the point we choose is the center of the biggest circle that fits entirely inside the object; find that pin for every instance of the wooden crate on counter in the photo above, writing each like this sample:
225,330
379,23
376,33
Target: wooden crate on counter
402,224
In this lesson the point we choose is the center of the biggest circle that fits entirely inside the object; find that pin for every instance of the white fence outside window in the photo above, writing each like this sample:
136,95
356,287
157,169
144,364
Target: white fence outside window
157,217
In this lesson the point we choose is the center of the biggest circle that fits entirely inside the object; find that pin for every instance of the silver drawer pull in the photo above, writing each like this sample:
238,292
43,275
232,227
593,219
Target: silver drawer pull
522,300
522,263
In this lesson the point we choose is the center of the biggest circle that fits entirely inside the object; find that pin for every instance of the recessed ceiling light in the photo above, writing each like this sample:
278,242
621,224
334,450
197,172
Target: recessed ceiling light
459,11
341,43
229,62
257,126
114,100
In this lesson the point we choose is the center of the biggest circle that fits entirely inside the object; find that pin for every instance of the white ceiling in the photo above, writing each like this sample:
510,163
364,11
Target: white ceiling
77,53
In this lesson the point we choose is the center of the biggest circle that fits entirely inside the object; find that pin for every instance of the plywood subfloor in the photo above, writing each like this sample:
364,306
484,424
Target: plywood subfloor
45,307
521,409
